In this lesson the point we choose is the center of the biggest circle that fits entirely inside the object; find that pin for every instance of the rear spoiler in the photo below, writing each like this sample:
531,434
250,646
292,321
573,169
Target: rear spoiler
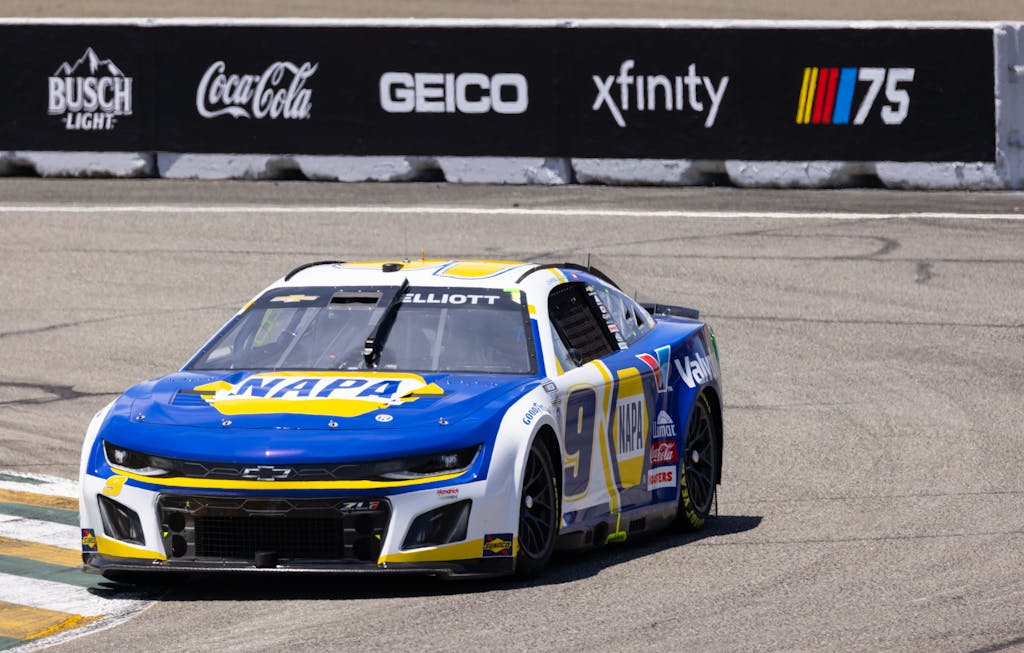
673,311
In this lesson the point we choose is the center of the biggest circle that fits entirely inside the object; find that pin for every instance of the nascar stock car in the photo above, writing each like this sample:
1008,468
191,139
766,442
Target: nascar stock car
441,417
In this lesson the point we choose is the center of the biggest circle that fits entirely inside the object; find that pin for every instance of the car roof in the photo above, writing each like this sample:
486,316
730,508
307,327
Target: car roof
424,273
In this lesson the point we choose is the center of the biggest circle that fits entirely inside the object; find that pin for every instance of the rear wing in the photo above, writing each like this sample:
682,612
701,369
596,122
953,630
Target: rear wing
673,311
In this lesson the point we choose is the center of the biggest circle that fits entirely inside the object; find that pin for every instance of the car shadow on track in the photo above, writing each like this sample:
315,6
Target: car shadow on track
564,568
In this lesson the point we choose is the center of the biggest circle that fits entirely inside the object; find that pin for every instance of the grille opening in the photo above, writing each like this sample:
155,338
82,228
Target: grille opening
243,530
232,537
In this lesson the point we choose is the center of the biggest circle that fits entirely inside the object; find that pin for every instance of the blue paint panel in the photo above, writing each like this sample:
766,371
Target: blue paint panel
844,96
472,406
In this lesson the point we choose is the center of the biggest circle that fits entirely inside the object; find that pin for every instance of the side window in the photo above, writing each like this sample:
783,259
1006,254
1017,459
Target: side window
561,351
630,320
637,318
577,324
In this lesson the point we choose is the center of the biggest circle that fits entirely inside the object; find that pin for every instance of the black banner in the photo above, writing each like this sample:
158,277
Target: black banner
782,94
674,93
318,90
78,88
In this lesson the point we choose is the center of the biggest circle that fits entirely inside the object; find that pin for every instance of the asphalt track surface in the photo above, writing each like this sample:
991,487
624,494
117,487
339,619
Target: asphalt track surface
873,366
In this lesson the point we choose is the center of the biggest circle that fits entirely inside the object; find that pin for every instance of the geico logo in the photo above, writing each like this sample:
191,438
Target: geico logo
108,94
278,92
453,93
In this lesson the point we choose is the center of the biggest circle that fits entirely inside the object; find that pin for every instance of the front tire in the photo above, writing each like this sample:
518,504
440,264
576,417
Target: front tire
698,475
538,512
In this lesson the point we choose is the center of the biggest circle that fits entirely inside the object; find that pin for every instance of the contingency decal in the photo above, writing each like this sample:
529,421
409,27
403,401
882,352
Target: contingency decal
659,477
88,540
310,393
497,545
630,428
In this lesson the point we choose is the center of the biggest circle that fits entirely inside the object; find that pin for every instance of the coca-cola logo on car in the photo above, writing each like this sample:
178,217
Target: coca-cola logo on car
664,453
278,92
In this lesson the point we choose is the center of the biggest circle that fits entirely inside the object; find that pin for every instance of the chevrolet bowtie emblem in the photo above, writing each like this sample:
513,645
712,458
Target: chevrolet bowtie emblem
266,473
289,299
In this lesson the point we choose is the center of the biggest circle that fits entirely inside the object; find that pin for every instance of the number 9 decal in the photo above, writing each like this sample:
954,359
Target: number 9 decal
580,411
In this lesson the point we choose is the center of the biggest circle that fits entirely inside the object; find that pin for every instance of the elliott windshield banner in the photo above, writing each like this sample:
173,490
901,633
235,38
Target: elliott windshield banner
673,93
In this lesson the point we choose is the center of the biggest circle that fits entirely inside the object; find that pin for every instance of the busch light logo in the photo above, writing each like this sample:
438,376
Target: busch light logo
90,94
278,92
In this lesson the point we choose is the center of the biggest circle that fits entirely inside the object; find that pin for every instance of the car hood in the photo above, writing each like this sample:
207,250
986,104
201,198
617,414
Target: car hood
310,416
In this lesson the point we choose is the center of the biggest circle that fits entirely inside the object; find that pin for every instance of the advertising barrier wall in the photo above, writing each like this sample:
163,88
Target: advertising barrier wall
516,101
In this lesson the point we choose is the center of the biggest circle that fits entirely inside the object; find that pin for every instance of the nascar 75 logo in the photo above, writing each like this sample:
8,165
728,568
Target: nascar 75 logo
827,95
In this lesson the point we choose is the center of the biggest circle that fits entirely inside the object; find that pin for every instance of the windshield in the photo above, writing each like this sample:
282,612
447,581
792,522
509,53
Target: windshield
434,330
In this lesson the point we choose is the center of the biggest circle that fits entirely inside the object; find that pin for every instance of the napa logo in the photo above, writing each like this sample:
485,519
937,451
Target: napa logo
331,394
630,428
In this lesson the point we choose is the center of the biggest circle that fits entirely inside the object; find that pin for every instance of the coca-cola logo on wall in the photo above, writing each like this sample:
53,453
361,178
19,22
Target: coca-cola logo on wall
278,92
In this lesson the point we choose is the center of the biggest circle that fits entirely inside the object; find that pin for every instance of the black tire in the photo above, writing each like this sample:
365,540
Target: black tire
698,474
538,513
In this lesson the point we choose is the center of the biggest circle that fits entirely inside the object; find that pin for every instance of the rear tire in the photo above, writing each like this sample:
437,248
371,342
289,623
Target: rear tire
538,512
698,474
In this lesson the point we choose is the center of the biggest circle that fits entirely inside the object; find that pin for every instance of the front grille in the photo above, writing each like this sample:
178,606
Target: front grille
243,529
241,538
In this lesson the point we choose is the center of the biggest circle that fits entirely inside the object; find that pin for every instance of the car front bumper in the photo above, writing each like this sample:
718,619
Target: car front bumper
320,530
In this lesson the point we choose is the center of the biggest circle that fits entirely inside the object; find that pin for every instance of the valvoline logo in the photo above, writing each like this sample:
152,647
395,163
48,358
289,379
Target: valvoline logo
316,393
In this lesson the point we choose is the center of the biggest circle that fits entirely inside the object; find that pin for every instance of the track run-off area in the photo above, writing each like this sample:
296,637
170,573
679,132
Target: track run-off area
872,349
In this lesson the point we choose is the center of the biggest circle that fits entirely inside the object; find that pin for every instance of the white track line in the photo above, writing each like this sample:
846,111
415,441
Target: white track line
51,485
41,532
59,596
483,210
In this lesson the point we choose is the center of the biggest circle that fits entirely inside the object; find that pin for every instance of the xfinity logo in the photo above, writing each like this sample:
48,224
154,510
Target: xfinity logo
266,473
691,92
278,92
453,93
89,94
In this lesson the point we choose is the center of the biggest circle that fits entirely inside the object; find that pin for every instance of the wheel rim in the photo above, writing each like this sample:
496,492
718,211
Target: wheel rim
536,509
699,460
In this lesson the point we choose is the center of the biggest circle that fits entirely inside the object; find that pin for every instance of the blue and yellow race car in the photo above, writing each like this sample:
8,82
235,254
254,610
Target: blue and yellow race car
456,418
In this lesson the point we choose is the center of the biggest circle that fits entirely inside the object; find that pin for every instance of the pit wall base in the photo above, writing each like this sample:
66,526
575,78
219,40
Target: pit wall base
473,170
527,170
